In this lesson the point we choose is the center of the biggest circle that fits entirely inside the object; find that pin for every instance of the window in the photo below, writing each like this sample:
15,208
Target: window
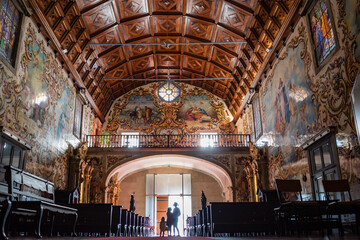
12,152
208,139
130,139
10,20
323,31
168,92
324,163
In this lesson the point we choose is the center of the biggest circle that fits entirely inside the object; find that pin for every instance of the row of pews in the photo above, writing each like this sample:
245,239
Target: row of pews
109,220
28,207
225,219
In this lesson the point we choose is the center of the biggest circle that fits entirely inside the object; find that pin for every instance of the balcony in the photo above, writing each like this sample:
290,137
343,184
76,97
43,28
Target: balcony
169,141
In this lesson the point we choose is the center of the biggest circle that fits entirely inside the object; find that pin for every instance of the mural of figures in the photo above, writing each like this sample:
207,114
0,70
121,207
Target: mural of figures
198,112
352,19
143,110
37,104
288,111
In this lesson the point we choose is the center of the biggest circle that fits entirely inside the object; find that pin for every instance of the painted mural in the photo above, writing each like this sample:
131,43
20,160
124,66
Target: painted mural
288,111
142,110
303,102
37,104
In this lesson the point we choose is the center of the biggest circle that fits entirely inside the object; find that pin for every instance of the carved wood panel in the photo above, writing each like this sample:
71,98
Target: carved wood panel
78,23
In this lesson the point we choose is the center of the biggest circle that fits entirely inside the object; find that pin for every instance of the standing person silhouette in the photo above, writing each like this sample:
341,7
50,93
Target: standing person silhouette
169,220
132,203
176,213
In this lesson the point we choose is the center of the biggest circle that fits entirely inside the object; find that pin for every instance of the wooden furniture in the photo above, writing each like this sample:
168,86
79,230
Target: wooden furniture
94,218
116,220
39,207
295,215
33,198
67,197
124,223
333,190
5,207
234,219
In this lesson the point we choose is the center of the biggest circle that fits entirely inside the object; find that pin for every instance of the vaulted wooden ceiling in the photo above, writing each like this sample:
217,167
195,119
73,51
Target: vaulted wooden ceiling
75,24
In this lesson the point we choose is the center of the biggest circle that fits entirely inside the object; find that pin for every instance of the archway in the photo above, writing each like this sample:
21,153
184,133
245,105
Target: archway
182,161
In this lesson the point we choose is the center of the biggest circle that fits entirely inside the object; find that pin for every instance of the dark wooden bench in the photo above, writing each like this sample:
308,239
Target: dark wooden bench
33,199
116,221
94,218
337,208
233,219
5,207
124,218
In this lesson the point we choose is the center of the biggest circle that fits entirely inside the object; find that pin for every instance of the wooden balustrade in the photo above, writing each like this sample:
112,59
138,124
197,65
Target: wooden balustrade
168,141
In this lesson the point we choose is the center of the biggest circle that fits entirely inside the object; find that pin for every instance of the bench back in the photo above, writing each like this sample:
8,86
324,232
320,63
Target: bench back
24,186
288,186
336,186
241,212
94,217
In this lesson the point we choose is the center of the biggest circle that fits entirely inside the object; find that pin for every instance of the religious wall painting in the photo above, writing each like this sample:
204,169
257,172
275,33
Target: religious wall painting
143,110
323,31
37,105
287,106
256,116
35,92
352,19
78,117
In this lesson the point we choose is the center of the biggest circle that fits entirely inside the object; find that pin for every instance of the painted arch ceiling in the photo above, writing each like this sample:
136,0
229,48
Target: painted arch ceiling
78,23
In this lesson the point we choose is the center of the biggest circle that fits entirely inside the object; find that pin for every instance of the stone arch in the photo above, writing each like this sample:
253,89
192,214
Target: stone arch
183,161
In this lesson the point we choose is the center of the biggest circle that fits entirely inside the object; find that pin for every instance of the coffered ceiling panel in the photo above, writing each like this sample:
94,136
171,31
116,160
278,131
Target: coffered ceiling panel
132,8
138,28
76,24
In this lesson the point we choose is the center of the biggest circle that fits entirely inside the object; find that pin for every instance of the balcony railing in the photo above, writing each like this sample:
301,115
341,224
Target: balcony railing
168,141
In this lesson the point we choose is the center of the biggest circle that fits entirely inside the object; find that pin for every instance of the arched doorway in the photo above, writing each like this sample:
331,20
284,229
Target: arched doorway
182,161
157,169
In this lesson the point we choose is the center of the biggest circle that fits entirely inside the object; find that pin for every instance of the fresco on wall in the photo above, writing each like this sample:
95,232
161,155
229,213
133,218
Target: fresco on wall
326,96
142,110
288,110
352,19
37,104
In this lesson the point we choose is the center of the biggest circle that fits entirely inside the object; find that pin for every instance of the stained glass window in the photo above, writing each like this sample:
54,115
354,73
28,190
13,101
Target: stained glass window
9,26
169,92
322,30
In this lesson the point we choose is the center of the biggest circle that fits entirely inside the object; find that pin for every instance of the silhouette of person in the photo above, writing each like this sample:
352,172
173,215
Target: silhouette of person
162,226
169,220
132,203
176,213
203,200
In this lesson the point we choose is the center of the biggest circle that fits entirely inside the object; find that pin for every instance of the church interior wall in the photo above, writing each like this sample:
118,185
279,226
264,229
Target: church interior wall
37,104
299,99
194,111
199,181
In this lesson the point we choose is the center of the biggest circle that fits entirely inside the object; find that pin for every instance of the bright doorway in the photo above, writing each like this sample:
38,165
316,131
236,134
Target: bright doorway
168,188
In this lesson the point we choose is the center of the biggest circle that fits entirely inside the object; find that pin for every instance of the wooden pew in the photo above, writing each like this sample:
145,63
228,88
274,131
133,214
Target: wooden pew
5,207
124,223
131,216
199,223
116,221
33,198
233,219
94,218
